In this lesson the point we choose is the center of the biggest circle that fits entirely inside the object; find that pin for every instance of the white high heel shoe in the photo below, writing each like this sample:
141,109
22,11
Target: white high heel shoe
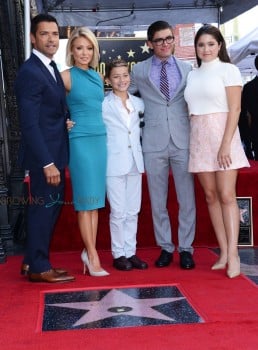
87,265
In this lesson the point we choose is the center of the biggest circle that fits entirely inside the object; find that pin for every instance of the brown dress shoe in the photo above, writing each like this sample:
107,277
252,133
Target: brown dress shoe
25,268
138,263
50,276
61,272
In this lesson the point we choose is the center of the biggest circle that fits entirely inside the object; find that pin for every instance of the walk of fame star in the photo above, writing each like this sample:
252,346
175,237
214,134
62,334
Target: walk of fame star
118,307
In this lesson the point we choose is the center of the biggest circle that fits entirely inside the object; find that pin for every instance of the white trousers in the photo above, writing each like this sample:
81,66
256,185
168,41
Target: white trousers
124,195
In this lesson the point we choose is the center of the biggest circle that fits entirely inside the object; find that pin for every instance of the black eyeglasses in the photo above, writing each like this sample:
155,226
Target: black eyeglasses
160,41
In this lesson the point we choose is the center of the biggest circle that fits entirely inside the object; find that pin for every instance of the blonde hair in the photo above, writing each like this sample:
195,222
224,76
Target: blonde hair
88,34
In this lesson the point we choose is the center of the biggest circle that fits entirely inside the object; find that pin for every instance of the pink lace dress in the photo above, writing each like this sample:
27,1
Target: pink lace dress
205,139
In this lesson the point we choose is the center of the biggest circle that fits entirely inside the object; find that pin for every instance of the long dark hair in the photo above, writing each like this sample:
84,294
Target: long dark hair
215,32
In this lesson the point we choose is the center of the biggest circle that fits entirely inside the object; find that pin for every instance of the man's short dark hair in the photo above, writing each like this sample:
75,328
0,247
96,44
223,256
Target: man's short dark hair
256,62
155,27
42,17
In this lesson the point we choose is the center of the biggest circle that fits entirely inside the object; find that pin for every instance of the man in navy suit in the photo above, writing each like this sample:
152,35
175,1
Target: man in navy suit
249,116
44,146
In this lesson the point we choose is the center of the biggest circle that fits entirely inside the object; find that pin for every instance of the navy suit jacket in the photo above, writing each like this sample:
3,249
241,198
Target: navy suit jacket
249,97
249,103
42,112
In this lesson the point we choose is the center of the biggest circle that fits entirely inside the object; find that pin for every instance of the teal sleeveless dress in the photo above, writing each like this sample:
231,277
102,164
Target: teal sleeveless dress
87,140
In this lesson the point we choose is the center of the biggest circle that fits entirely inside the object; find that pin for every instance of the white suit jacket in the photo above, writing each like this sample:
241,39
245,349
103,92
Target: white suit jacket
122,141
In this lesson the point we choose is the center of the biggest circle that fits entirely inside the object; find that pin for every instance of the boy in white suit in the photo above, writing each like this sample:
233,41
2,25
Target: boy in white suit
125,166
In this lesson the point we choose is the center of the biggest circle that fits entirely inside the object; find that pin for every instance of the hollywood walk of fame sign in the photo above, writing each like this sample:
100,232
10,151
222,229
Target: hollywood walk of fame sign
246,222
132,50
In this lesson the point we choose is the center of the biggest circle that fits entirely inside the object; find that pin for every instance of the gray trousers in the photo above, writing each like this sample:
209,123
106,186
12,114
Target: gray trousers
157,166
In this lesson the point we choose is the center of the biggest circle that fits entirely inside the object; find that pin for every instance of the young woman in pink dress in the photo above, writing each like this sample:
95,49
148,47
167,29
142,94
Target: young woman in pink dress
213,94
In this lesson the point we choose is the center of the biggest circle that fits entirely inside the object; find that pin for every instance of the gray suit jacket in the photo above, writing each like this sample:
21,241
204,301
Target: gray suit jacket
162,119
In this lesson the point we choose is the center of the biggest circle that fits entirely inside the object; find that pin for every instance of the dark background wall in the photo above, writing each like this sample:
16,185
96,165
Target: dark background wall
11,178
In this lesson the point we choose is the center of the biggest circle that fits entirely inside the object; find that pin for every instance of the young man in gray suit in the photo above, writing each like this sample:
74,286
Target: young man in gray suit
160,80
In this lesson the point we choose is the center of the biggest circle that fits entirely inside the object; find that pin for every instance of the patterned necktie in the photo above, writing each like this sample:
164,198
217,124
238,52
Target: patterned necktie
164,85
57,74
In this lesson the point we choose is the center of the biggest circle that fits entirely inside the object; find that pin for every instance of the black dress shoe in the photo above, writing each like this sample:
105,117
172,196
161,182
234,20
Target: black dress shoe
164,259
186,260
122,263
138,263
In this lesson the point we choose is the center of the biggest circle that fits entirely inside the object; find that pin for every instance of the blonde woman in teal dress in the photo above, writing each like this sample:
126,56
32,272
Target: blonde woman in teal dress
87,139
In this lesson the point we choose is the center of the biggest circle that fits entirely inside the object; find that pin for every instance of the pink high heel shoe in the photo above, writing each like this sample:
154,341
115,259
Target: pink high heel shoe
87,266
219,265
234,269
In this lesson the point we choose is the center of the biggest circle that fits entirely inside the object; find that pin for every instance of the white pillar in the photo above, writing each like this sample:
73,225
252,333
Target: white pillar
27,44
